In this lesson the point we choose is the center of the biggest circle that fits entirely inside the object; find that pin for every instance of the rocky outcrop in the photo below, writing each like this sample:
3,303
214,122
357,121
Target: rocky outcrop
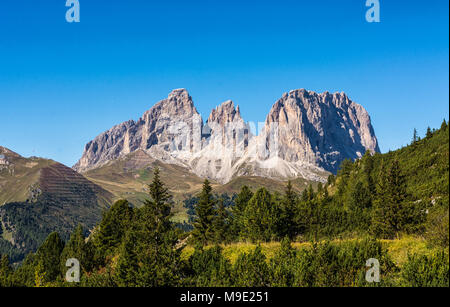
224,141
306,134
320,129
164,129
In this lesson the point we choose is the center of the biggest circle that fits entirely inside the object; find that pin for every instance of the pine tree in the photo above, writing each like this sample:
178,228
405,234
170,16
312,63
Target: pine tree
368,167
360,197
5,272
24,276
220,224
393,212
77,248
414,140
155,246
40,275
288,226
127,264
261,217
204,210
209,268
112,229
429,133
238,209
49,257
444,125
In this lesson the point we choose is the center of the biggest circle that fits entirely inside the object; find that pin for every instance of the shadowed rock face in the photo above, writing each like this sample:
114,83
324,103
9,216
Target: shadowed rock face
321,129
305,134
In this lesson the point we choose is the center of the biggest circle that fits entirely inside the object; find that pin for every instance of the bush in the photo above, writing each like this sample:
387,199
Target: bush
426,271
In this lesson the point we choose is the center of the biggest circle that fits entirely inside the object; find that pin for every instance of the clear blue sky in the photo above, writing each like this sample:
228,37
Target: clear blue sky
62,84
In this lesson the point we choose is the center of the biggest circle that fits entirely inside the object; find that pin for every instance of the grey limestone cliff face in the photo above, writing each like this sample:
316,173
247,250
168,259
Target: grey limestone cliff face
305,133
320,129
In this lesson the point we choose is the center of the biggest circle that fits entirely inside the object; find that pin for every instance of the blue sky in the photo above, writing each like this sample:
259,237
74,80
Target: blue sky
62,84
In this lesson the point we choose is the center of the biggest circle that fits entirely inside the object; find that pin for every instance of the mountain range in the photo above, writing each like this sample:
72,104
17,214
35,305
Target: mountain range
305,135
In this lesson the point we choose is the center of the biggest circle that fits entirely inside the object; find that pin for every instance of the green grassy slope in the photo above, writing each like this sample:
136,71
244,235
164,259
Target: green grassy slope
40,196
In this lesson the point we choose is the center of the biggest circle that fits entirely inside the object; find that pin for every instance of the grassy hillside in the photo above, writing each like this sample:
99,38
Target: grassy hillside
40,196
128,178
18,176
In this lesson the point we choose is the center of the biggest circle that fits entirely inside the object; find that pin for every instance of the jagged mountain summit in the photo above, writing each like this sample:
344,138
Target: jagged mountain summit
305,135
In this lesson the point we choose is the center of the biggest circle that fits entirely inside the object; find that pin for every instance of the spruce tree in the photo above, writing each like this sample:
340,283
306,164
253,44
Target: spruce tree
77,248
238,209
112,229
288,211
155,246
444,125
204,210
414,140
261,217
393,211
49,257
221,224
127,265
25,274
5,272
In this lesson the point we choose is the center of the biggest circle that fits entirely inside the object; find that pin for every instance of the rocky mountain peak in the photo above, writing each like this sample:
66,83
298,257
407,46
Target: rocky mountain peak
177,104
322,129
225,113
306,134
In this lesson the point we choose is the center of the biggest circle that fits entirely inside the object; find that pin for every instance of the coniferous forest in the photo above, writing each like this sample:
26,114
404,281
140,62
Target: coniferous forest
392,207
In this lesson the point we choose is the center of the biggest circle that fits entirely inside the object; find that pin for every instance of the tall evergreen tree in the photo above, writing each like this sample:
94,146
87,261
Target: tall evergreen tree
261,217
5,272
77,248
415,138
155,246
49,257
238,209
112,229
394,212
221,224
288,226
159,204
204,210
444,125
429,134
127,270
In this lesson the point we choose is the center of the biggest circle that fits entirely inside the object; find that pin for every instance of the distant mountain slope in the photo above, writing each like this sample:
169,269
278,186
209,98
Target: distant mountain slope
39,196
128,177
306,135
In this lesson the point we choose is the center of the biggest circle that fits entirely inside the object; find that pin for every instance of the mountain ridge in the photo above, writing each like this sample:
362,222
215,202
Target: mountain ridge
306,134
